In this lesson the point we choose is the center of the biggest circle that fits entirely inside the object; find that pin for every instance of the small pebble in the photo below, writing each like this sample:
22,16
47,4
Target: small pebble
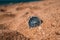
34,22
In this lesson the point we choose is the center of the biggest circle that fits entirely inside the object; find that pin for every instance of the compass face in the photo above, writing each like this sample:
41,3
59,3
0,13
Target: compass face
34,22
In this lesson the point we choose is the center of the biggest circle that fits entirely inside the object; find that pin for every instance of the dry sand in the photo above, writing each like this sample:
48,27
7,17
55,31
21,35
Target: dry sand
14,18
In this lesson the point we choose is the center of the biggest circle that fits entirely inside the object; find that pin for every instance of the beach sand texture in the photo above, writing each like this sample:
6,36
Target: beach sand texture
14,21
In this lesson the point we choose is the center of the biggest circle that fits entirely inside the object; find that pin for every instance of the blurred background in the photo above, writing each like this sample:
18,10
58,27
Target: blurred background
15,1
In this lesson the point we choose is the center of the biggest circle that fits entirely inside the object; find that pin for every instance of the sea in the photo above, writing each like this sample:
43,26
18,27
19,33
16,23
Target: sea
2,2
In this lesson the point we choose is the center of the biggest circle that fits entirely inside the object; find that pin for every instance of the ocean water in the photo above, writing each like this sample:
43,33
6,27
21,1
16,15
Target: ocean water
15,1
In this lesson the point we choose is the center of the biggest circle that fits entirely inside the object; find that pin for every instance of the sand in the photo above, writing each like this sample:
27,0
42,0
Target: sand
15,17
